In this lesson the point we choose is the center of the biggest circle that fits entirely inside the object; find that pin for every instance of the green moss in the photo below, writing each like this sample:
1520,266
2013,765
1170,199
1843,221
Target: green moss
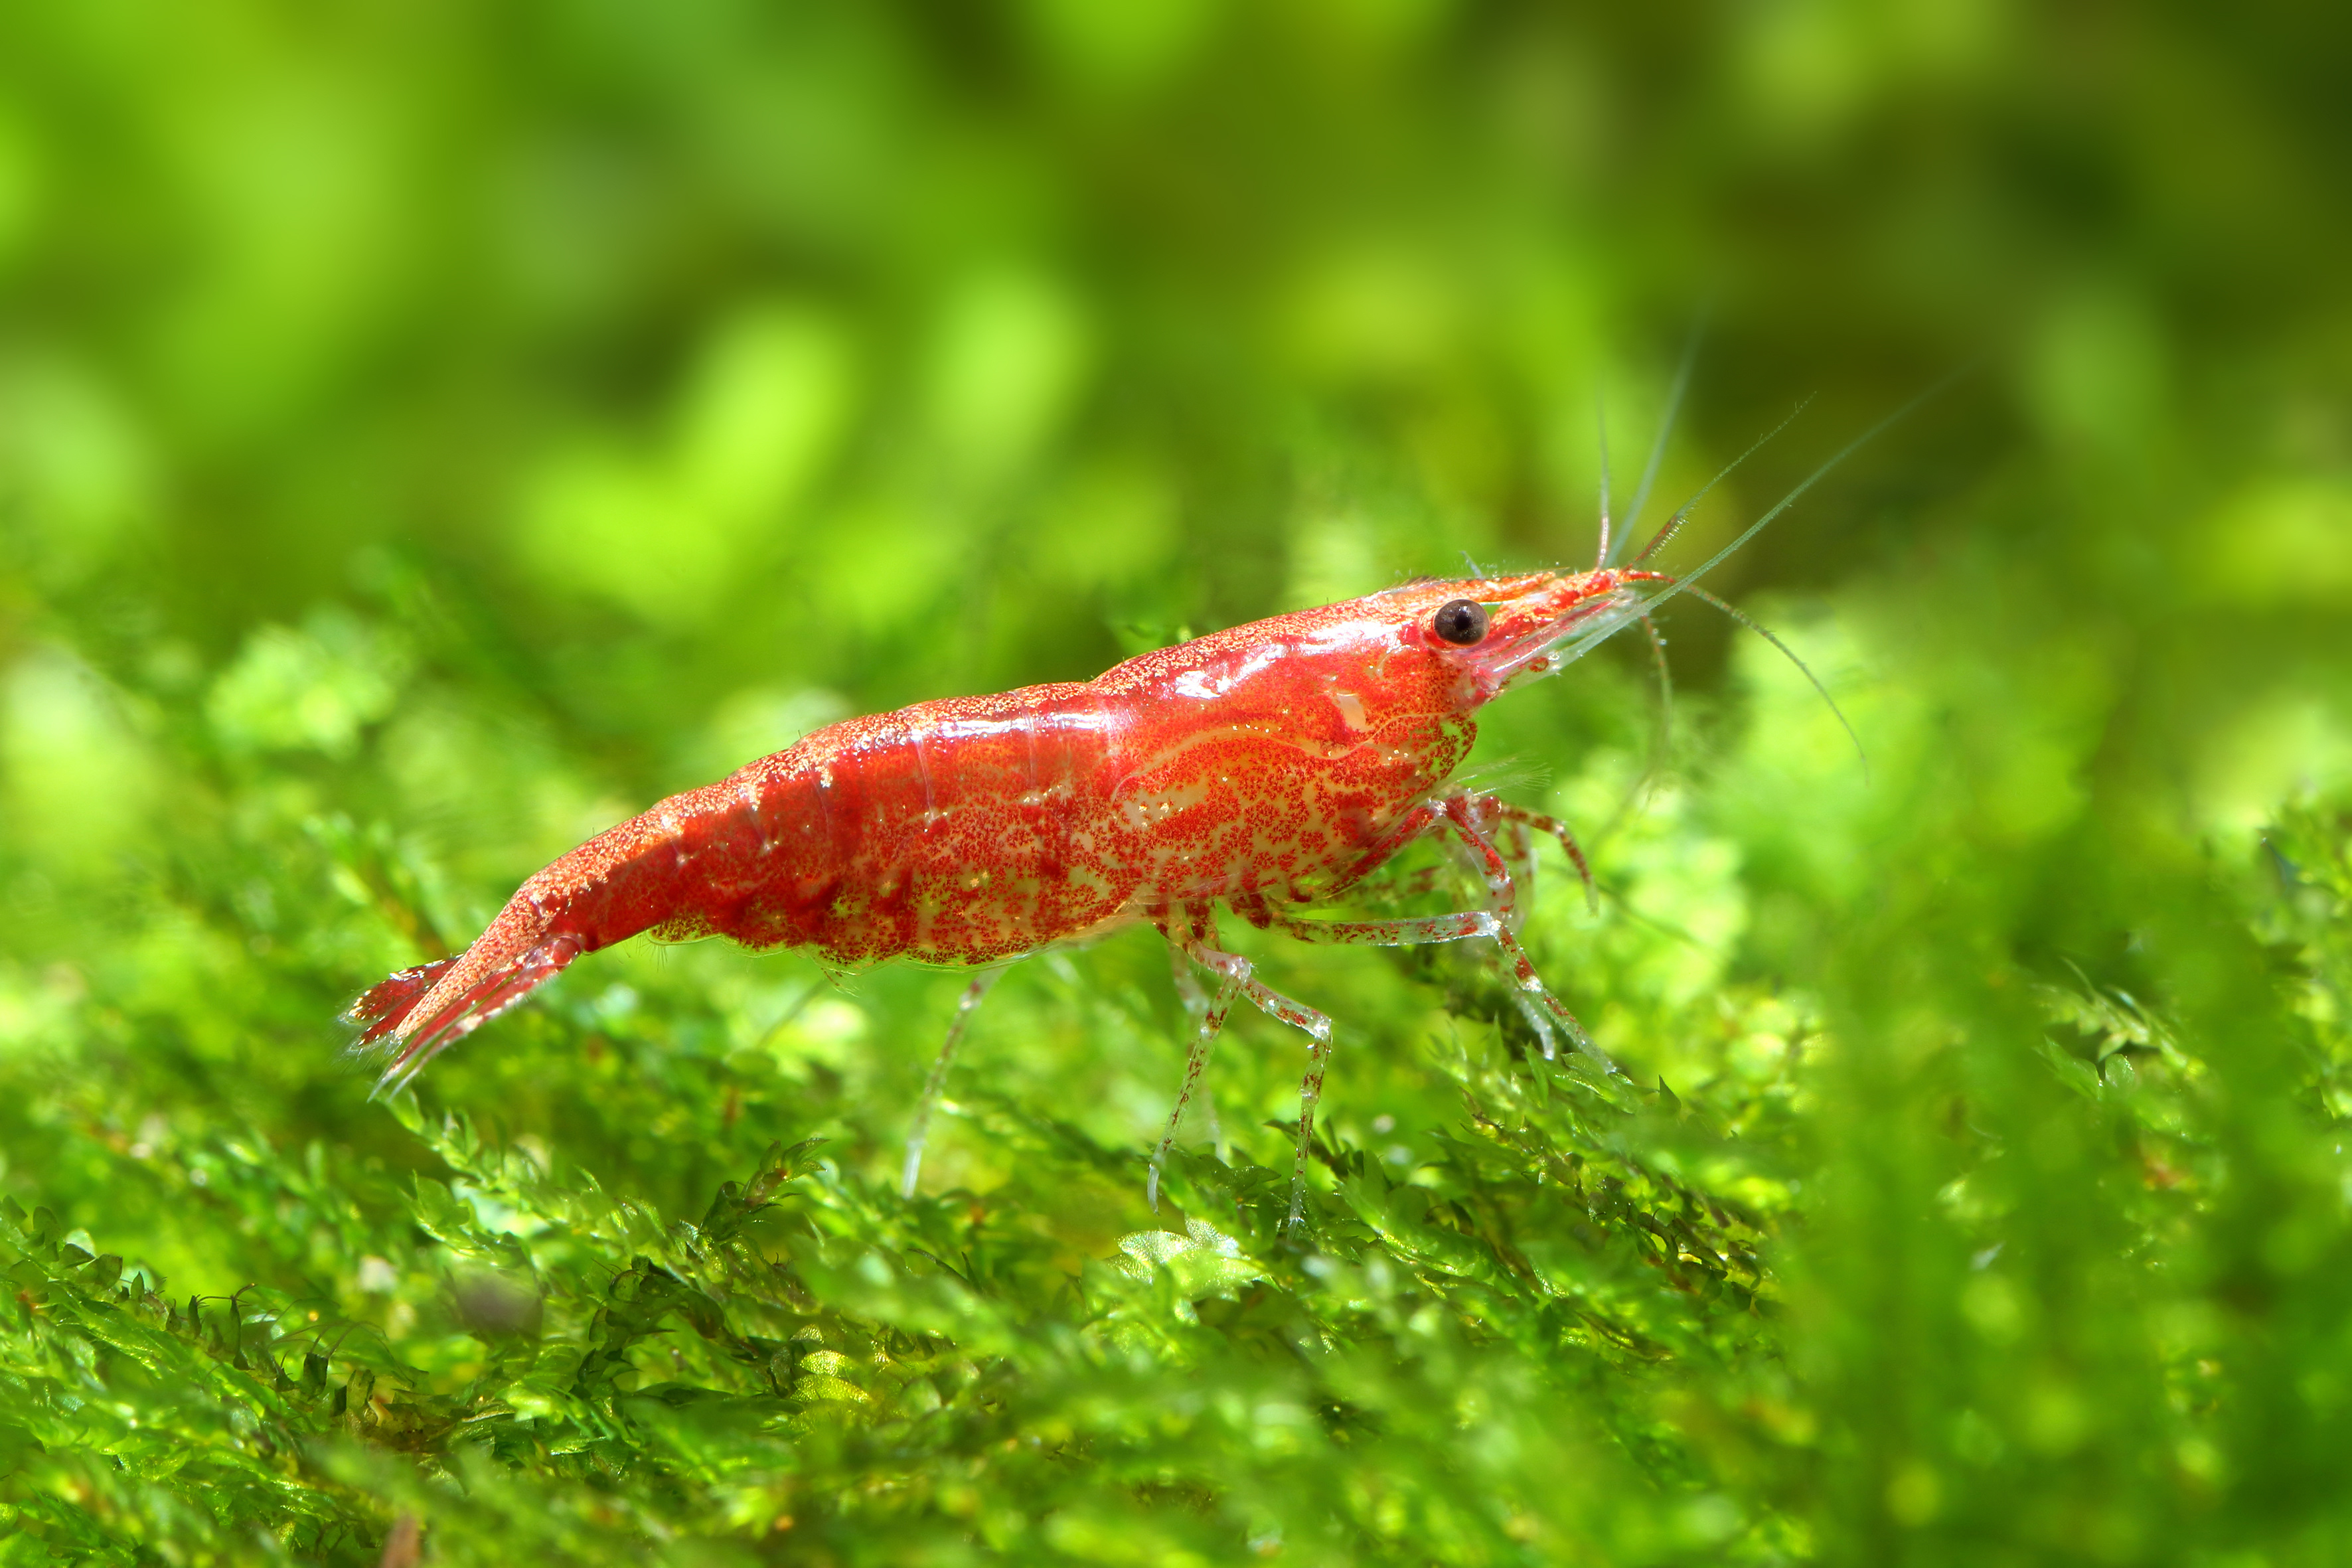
427,436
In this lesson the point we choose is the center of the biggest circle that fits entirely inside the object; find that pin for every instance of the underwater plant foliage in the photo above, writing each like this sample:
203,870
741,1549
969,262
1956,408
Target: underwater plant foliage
430,434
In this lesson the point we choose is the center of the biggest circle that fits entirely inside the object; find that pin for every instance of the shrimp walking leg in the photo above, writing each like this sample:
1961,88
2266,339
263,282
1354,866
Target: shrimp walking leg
1531,989
1535,998
1195,999
1412,884
1468,812
1537,822
934,1085
1236,973
1188,986
1460,813
1208,1014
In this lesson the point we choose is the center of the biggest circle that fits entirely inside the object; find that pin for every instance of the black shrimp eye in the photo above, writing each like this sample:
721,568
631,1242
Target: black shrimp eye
1460,622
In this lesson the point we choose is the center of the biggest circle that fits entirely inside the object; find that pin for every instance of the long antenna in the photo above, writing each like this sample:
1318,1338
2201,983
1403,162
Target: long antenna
1613,614
1761,630
1658,447
1683,585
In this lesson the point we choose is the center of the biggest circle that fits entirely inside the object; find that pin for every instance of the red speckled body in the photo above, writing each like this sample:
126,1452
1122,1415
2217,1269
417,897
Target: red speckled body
1268,765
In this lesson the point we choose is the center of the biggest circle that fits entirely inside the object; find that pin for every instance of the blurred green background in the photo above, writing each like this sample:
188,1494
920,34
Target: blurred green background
429,433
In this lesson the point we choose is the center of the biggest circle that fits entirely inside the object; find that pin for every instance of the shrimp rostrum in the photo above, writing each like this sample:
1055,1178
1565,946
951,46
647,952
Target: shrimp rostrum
1264,769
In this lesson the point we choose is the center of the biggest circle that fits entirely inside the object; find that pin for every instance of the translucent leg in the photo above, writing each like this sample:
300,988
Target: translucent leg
1537,822
1196,1006
1476,812
1518,848
1236,973
936,1082
1531,992
1188,986
1207,1014
1459,813
1310,1095
1412,825
1538,1024
1427,879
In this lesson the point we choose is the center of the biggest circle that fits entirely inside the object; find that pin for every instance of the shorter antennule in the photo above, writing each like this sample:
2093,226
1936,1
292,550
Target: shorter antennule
1682,513
1663,536
1600,426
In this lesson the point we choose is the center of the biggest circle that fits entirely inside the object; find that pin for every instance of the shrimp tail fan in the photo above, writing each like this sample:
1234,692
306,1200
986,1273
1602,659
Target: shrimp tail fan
385,1005
417,1013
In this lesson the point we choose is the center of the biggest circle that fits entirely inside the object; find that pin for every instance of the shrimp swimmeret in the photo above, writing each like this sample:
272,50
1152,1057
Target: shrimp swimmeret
1264,768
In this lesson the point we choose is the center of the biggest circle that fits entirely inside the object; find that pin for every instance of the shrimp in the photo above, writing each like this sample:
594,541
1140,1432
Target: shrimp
1264,769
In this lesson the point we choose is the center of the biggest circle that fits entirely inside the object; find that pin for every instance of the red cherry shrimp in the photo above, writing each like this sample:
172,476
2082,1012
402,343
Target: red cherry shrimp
1262,769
